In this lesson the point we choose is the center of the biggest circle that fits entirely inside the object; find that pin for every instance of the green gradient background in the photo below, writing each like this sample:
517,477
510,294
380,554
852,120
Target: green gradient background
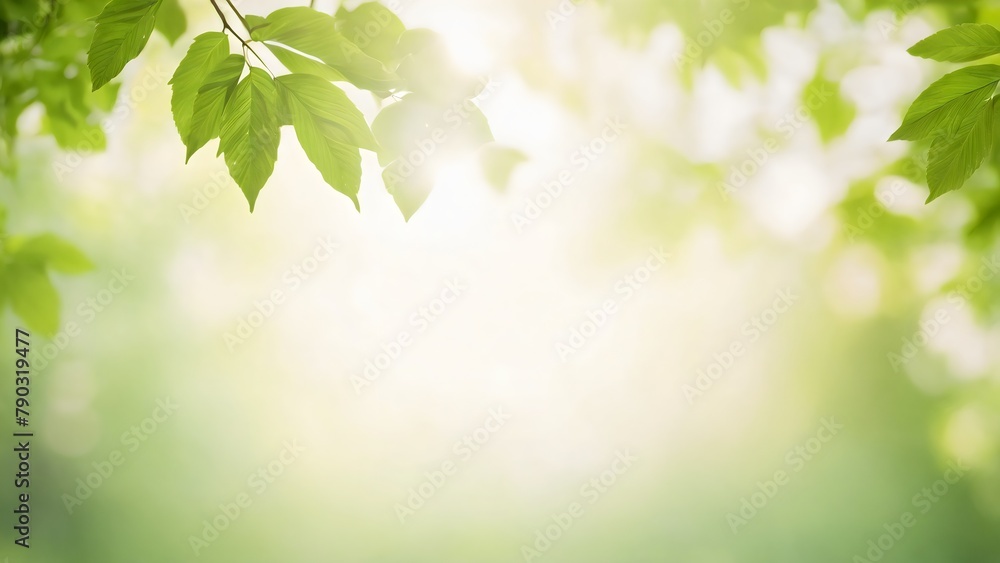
197,277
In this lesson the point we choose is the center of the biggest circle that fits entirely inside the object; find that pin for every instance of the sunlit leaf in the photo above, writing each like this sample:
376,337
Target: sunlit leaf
946,103
204,54
330,129
211,100
250,133
961,43
953,159
122,31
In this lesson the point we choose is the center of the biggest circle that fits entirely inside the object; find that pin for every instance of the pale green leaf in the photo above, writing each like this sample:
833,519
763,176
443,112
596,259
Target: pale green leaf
409,186
122,31
204,54
52,252
372,27
315,33
421,124
210,102
32,297
330,129
944,105
171,21
960,44
499,163
302,64
250,133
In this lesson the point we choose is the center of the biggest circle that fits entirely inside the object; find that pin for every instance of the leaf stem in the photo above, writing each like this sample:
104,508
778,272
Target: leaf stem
229,28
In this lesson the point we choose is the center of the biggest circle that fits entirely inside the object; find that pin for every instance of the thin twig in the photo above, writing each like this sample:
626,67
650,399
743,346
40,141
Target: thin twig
238,15
229,28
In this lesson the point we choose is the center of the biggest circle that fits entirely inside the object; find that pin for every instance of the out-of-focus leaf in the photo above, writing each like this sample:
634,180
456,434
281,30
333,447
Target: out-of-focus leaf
373,28
53,252
171,21
32,296
499,163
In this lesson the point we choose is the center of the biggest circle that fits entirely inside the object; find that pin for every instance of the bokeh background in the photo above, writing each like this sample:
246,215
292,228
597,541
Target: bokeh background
853,305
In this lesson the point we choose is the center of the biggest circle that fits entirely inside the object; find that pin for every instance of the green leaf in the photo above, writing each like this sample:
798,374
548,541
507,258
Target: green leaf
210,102
301,64
959,44
409,186
833,114
171,21
52,252
32,297
946,103
372,27
204,54
315,33
250,133
499,163
427,68
122,31
330,129
419,123
953,159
